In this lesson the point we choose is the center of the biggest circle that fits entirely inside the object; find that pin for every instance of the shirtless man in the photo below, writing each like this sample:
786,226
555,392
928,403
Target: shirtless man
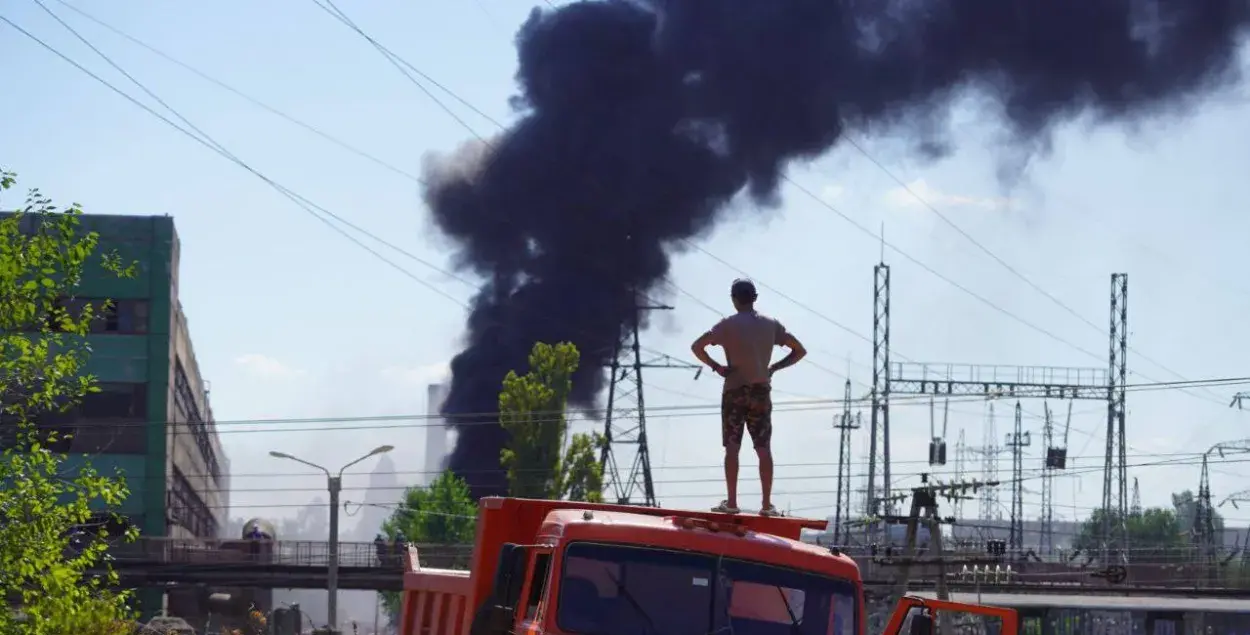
747,338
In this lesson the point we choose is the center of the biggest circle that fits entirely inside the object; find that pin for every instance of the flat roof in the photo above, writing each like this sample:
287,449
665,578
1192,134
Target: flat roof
1139,603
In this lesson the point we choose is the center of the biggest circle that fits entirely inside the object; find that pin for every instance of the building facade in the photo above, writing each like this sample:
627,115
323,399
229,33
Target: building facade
151,418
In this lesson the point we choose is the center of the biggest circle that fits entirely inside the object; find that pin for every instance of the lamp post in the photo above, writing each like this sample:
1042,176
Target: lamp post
334,482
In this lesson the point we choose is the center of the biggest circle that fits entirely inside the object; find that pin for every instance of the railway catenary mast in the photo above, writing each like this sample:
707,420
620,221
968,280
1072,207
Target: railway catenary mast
1107,384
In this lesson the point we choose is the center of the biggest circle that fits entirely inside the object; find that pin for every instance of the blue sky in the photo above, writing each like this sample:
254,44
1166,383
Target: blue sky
292,320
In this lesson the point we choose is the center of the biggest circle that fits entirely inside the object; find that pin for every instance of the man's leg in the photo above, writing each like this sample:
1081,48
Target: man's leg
731,476
732,426
760,424
766,476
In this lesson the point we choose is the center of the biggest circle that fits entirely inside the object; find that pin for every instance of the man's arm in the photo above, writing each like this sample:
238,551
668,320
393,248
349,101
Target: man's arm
797,352
699,348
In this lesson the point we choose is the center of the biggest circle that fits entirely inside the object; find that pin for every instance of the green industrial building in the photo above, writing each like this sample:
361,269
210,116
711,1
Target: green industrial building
151,418
165,440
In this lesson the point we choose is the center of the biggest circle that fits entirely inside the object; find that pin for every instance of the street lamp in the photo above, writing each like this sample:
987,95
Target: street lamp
335,484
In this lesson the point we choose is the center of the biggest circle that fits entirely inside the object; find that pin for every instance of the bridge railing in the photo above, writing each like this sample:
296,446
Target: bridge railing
294,553
1179,569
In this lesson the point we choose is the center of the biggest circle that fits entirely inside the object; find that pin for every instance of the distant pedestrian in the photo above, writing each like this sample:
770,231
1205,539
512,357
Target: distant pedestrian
379,545
748,338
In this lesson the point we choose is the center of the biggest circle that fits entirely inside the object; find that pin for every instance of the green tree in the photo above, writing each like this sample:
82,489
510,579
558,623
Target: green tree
443,513
582,478
1153,534
48,558
531,410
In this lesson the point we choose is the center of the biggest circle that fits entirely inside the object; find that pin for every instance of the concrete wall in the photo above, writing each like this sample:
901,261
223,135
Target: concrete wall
193,446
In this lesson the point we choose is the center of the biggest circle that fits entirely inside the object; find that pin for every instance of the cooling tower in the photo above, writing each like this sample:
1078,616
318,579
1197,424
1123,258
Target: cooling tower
435,433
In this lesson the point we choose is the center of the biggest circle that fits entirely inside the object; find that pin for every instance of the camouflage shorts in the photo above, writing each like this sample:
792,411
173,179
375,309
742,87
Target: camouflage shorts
747,408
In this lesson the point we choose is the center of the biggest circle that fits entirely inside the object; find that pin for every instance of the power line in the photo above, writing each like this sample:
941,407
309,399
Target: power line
667,468
318,212
395,59
246,97
1189,461
1012,270
982,299
831,405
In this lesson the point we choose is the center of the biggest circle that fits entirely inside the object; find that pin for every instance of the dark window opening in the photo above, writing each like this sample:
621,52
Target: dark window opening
113,421
117,316
186,508
538,584
116,401
189,413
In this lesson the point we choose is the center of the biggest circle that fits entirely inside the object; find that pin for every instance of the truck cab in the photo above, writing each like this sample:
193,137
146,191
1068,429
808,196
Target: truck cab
595,569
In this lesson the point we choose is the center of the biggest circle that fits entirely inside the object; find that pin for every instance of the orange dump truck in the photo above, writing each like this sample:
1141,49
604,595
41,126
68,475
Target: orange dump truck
562,567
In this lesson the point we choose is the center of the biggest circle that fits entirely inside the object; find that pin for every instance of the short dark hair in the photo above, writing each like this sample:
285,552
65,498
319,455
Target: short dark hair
743,290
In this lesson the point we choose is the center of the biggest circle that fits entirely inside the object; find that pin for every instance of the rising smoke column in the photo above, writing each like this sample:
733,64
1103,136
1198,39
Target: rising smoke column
643,119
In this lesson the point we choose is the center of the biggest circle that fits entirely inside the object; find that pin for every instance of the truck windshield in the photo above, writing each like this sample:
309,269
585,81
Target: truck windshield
625,590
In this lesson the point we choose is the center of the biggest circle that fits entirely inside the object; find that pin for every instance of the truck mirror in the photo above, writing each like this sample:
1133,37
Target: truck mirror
510,575
496,615
921,624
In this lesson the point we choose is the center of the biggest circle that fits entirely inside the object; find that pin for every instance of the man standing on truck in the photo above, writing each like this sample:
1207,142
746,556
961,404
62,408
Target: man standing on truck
748,338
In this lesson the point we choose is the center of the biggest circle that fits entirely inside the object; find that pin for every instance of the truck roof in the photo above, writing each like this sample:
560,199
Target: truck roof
630,517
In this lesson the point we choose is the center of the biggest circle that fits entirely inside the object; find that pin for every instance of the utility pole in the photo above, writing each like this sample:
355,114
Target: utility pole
842,510
924,510
990,509
335,484
1016,442
625,422
1204,531
1204,523
879,420
1115,467
961,460
1135,507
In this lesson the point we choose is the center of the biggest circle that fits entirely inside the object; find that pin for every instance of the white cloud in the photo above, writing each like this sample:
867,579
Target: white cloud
419,376
831,193
918,192
264,366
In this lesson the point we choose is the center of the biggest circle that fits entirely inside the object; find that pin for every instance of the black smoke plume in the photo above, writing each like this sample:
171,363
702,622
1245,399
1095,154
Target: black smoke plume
643,119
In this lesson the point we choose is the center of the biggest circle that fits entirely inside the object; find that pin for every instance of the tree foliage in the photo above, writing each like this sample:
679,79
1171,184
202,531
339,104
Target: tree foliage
531,410
1154,531
443,513
49,545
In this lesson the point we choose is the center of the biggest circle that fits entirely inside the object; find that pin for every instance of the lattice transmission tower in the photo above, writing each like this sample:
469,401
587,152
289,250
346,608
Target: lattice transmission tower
846,423
1017,441
879,419
625,456
1115,465
990,507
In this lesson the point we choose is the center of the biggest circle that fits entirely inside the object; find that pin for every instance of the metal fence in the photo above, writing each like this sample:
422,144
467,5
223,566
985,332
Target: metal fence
295,553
